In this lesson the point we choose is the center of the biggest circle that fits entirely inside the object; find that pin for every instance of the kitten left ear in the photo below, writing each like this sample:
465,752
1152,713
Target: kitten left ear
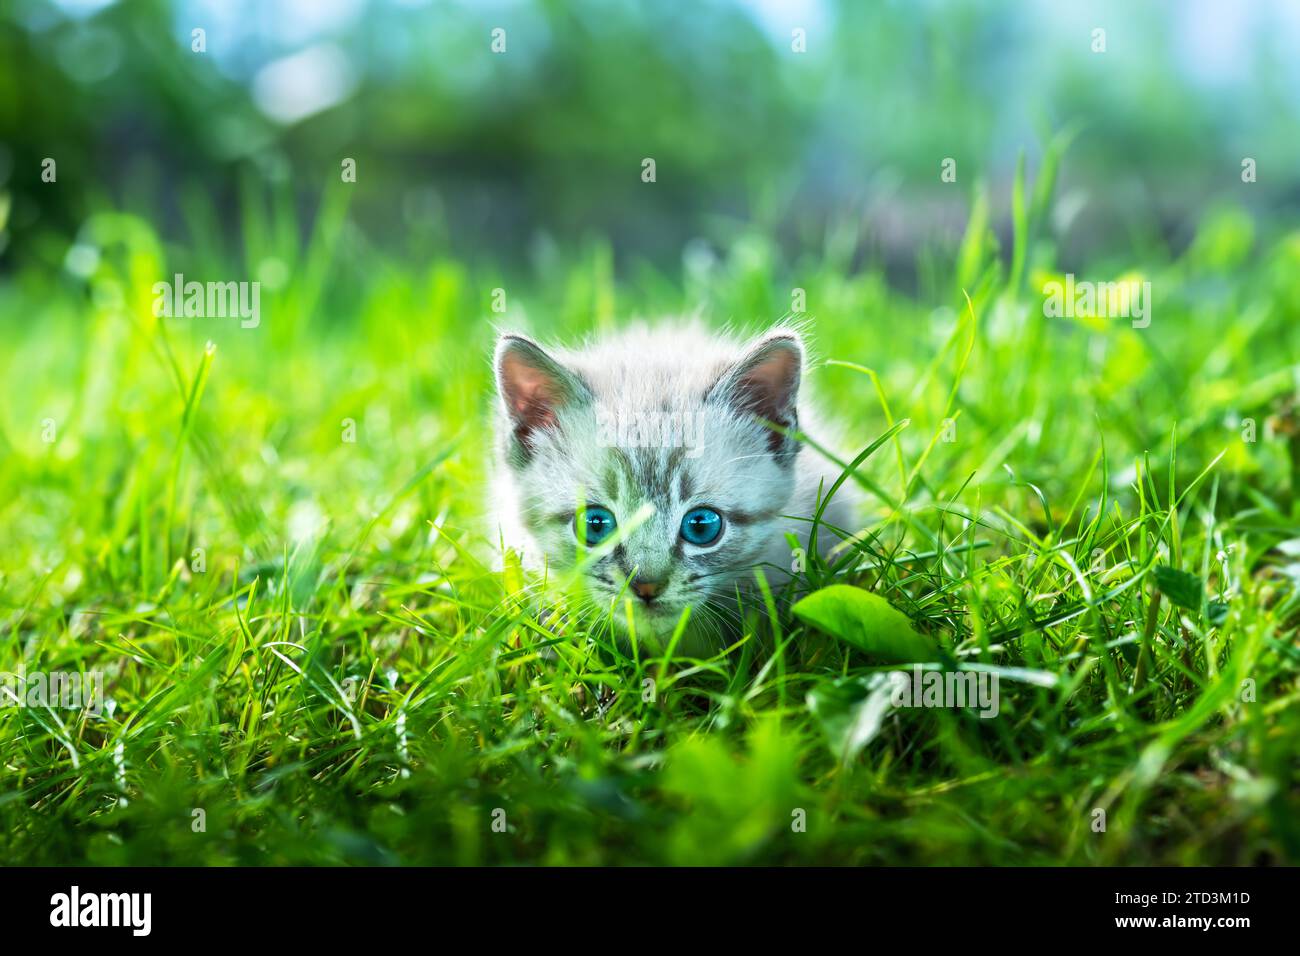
533,386
765,384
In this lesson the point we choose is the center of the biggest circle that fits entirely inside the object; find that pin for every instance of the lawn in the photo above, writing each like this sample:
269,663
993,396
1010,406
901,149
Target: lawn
271,543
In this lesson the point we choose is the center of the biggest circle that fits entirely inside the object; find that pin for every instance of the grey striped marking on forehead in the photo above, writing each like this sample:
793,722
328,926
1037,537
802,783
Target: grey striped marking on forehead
646,471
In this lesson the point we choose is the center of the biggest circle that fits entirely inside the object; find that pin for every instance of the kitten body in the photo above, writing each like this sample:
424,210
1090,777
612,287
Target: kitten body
650,424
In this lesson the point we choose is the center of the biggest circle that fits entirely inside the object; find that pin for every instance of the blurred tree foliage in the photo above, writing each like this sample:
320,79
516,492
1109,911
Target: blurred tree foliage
493,152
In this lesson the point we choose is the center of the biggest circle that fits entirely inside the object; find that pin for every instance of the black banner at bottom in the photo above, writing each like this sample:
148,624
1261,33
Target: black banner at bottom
335,905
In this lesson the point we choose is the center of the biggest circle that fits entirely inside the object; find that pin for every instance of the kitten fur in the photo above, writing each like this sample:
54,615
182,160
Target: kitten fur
672,417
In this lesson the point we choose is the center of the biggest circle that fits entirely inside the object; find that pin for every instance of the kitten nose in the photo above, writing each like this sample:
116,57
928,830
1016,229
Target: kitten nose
647,590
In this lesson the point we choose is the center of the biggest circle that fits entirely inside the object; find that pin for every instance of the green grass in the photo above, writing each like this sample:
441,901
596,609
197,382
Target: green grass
346,681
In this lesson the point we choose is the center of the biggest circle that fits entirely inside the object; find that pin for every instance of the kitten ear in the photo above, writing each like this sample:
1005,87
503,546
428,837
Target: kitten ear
765,384
532,386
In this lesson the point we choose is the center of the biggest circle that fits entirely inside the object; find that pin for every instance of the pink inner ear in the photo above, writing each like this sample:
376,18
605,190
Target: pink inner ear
768,385
530,393
773,377
766,389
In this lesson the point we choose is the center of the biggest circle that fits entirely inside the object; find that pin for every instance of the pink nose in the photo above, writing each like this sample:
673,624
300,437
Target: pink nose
647,590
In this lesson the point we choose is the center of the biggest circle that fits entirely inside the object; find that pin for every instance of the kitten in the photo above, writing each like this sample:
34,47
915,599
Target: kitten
671,419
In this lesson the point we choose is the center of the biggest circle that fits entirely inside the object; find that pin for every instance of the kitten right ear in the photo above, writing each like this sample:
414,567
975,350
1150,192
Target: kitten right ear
764,383
532,386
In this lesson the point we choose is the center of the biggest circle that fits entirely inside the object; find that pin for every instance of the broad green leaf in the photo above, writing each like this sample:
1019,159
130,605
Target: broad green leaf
1181,587
865,620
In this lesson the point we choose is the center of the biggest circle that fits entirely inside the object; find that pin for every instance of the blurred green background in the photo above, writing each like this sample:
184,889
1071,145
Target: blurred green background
463,150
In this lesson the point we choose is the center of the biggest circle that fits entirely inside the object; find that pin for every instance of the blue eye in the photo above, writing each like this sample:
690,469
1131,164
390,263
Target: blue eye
597,524
701,526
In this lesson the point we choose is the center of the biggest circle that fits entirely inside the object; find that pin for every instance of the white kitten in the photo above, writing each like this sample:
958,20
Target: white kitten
665,425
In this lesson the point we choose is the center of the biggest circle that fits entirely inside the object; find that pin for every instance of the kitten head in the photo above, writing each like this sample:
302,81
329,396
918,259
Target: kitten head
647,463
